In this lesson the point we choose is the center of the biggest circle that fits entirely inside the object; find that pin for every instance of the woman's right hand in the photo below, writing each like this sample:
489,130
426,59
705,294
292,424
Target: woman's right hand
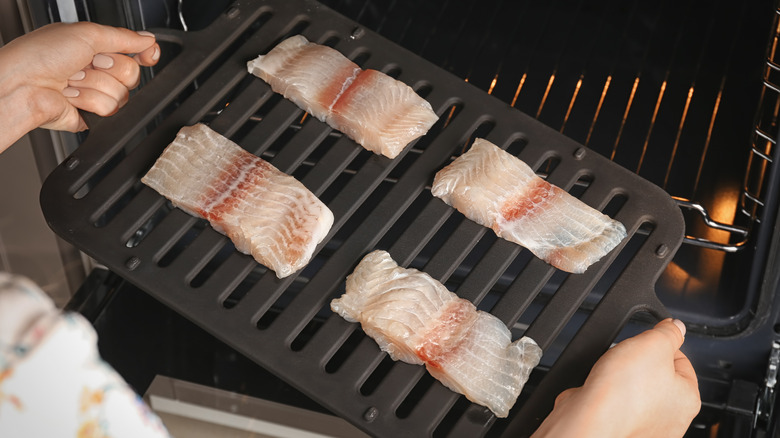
644,387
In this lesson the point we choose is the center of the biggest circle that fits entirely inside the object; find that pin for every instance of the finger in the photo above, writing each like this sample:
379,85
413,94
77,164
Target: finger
673,331
101,81
565,395
63,115
92,100
108,39
71,122
121,67
148,57
683,367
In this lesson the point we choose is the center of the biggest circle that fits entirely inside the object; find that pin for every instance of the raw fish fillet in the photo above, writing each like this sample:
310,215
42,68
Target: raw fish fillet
311,75
265,212
380,113
415,319
499,191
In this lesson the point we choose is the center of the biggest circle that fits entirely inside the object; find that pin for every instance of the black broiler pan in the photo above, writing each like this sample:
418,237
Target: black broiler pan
95,200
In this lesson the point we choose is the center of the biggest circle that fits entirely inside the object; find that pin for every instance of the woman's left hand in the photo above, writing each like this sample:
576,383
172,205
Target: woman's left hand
46,76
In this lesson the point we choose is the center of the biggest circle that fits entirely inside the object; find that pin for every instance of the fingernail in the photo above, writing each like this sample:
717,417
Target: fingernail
71,92
146,33
156,54
102,61
79,75
680,325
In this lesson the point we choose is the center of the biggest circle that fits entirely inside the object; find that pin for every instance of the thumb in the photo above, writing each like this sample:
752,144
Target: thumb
673,329
67,119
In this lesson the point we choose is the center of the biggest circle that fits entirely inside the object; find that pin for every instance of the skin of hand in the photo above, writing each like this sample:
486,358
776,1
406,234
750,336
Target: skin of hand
47,75
644,387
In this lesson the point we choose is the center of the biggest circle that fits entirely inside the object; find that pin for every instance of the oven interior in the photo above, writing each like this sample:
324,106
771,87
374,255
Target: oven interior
668,90
681,93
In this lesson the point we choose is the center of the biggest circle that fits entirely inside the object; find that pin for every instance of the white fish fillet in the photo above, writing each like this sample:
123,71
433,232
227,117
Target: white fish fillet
265,212
380,113
415,319
497,190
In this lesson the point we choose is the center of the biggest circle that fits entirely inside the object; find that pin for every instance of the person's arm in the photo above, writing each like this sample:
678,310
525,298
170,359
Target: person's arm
46,76
644,387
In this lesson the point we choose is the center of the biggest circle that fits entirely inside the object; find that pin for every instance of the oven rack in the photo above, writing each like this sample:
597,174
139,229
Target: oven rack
764,145
95,201
566,82
763,148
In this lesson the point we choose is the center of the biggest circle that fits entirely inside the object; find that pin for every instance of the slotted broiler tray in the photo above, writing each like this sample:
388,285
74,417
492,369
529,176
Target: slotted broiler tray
96,201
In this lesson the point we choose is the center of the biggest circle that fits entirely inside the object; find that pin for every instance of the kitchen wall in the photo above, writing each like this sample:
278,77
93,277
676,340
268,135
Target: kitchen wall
27,246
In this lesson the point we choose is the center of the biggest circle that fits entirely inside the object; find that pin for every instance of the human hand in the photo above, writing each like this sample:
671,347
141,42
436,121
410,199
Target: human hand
644,387
46,76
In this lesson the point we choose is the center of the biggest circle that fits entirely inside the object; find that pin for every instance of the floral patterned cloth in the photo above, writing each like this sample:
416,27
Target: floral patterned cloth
53,382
